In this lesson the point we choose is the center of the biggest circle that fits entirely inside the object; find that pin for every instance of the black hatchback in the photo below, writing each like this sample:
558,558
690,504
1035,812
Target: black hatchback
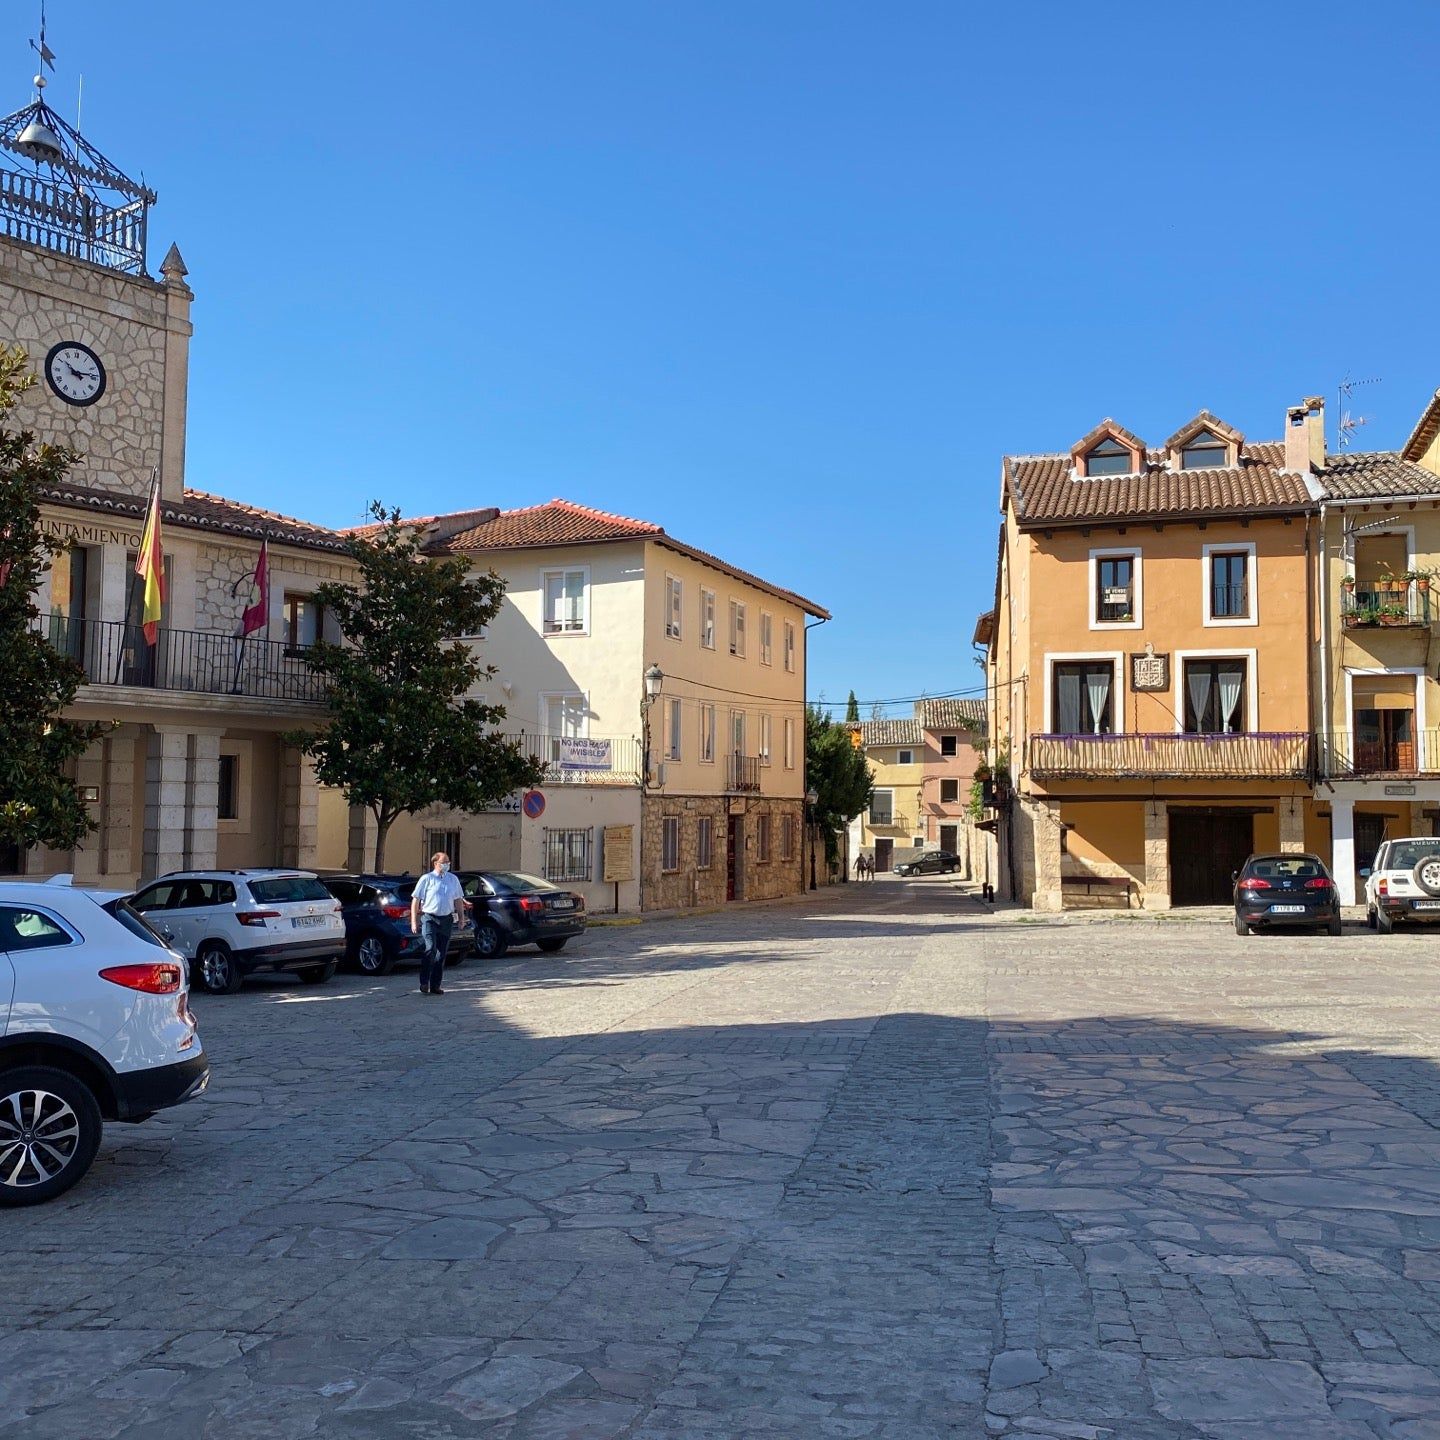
930,862
509,908
1285,890
376,910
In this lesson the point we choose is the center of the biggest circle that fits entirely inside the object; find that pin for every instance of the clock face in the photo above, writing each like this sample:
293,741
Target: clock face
74,372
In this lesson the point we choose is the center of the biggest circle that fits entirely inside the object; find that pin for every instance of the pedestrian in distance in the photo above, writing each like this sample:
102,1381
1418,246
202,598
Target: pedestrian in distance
435,907
859,867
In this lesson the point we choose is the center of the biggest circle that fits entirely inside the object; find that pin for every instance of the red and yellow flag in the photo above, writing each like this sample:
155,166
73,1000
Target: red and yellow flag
150,567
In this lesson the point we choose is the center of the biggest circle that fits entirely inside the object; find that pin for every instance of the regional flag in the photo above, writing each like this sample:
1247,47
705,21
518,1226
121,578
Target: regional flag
150,567
256,614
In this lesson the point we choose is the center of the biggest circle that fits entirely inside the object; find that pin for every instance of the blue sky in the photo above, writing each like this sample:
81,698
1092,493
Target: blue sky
788,278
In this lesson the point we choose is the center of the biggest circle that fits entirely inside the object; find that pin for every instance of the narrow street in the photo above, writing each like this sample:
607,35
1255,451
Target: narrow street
881,1164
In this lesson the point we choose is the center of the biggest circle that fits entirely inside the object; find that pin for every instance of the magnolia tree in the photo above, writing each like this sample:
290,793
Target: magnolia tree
404,732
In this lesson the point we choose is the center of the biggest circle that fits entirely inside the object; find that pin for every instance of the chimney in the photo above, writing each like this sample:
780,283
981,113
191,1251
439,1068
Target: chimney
1305,436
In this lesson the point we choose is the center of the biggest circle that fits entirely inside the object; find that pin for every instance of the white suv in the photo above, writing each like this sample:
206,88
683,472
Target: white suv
232,923
1403,883
95,1025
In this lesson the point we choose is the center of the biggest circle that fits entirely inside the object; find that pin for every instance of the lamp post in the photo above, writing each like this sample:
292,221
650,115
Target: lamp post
654,683
811,801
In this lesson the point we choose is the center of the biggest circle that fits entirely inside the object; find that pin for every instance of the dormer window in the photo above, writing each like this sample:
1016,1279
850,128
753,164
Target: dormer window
1204,451
1109,457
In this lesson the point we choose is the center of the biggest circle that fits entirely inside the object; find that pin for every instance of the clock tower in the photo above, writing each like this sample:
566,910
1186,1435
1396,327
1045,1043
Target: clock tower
108,343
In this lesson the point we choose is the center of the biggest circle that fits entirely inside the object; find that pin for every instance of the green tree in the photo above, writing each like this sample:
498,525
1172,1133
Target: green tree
852,710
403,732
39,802
835,769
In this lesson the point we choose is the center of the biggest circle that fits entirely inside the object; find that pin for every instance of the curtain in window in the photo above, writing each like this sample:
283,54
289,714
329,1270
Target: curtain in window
1097,690
1231,683
1197,677
1067,685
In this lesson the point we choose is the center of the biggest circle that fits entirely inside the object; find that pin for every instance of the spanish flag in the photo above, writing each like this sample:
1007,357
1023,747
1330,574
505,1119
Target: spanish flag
150,567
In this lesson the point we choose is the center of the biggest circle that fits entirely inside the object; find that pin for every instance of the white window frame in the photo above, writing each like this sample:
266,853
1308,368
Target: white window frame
1116,552
789,644
738,638
1252,684
707,619
562,570
669,826
767,737
674,607
744,728
674,728
789,742
707,733
1117,666
553,737
905,755
1207,590
1418,671
767,638
870,813
1408,531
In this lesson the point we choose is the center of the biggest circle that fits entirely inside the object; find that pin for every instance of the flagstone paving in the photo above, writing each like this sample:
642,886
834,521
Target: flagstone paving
879,1165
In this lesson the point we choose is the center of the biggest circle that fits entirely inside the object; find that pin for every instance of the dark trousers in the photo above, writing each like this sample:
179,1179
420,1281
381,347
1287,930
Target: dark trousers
435,931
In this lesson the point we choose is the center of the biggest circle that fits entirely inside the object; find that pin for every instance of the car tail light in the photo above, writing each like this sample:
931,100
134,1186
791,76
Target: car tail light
149,979
256,917
1319,883
1382,887
395,911
531,904
1255,883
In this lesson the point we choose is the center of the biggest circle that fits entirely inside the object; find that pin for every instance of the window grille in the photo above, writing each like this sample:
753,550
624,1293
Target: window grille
568,854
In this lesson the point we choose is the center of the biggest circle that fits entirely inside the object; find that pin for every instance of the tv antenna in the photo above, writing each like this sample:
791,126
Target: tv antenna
1349,421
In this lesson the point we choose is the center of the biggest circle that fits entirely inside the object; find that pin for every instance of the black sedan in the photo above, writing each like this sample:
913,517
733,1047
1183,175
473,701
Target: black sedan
376,911
931,862
509,908
1285,890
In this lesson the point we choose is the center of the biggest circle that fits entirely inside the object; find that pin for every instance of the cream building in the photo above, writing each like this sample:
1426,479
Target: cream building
895,824
694,796
193,772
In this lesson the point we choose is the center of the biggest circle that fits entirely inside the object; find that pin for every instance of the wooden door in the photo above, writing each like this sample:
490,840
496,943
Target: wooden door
884,854
1206,847
732,857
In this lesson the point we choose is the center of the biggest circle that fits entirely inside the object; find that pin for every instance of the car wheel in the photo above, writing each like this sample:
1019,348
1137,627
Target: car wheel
551,946
1241,928
1370,917
1334,927
1427,874
490,944
318,974
1384,922
49,1132
373,956
216,967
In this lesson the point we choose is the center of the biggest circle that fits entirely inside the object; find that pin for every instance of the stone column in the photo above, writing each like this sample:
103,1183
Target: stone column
361,853
1157,856
202,799
1342,848
300,822
117,803
167,765
1049,894
1292,826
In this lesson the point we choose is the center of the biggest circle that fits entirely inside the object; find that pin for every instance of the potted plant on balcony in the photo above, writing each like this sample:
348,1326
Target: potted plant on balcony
1347,584
1393,615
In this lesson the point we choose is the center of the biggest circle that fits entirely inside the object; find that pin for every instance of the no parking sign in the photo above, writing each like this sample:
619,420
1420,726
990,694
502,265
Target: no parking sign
533,804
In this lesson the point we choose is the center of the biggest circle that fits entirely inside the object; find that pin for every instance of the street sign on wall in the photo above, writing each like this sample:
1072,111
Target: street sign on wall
533,804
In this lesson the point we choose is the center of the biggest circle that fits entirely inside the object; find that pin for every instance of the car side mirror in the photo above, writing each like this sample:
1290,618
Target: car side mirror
1234,876
1366,873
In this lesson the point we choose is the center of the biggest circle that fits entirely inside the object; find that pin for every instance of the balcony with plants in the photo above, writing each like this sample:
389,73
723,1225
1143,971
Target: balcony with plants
1391,601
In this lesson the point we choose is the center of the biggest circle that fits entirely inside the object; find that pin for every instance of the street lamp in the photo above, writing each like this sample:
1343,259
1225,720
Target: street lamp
812,799
654,683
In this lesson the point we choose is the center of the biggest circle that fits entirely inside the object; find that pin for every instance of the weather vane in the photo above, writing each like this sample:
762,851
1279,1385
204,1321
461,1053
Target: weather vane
47,56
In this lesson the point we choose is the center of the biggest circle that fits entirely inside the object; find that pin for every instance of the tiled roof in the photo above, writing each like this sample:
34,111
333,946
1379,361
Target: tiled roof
1426,428
199,511
1375,474
1046,490
890,732
562,522
1204,421
951,714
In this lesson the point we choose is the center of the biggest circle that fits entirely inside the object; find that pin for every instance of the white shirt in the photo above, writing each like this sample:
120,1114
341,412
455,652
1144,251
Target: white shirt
437,894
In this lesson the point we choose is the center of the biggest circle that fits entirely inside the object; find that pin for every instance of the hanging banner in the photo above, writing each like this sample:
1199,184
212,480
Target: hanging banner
580,754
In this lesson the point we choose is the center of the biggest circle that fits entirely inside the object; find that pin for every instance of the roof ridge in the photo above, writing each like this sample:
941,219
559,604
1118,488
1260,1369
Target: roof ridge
590,511
255,509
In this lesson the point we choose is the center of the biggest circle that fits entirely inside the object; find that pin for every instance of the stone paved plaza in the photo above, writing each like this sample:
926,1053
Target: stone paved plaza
878,1165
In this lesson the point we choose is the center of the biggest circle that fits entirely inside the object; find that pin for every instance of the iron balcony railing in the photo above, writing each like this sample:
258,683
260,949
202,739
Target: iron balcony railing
613,760
890,820
1271,755
114,652
1350,753
743,772
1387,603
1229,602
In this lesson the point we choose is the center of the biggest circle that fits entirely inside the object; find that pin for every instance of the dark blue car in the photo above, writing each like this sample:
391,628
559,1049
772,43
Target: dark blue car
376,910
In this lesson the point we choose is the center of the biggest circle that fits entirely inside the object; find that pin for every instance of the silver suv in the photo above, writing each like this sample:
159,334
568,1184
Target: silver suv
232,923
1403,883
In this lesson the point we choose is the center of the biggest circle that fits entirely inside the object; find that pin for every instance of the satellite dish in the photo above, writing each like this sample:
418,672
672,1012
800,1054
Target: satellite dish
39,142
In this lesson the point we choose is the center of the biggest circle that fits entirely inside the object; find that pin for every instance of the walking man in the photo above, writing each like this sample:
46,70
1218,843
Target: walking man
438,902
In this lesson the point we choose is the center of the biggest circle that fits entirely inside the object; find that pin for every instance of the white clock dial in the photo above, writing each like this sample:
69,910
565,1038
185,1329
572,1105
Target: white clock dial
74,372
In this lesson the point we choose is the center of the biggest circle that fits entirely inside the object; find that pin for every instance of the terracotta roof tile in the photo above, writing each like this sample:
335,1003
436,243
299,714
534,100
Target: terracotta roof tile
1426,428
951,714
200,511
891,732
1046,491
1375,474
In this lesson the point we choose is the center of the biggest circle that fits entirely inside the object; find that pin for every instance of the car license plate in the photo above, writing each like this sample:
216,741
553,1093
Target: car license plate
1287,909
301,922
1426,904
562,904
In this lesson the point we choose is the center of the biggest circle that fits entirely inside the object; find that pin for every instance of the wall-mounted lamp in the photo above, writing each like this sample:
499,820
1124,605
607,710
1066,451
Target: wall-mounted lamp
654,683
89,794
507,686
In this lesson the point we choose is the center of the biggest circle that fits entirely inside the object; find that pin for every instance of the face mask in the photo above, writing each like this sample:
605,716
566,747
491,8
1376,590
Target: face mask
444,867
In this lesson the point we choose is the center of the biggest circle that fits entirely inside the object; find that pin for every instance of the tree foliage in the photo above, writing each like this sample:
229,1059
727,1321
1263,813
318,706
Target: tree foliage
852,710
39,801
404,732
837,772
